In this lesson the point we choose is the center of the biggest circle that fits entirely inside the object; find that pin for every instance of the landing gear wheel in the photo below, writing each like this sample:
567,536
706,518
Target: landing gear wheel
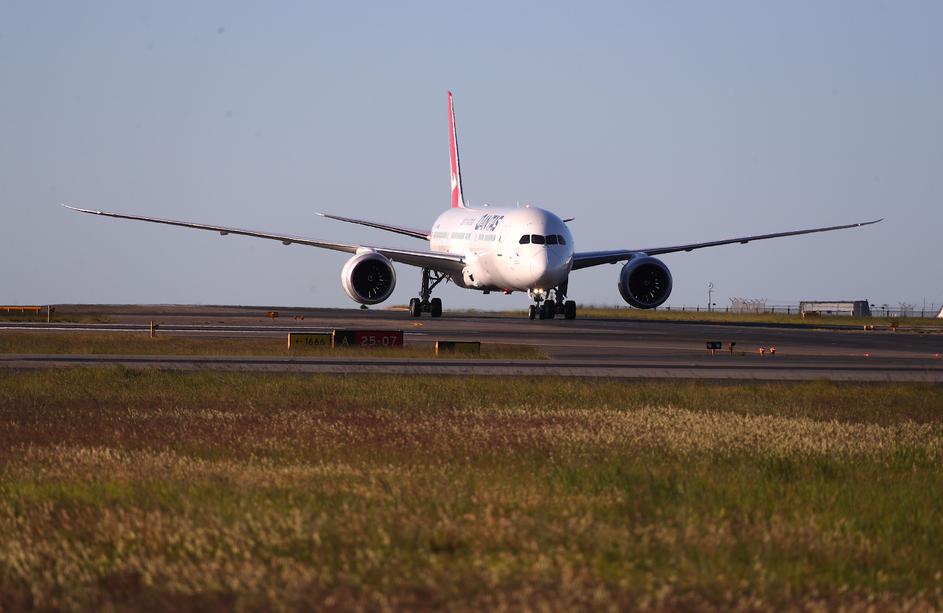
415,307
541,311
549,310
569,309
532,311
430,278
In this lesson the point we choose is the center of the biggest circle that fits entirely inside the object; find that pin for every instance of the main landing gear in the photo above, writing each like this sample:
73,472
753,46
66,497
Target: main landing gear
425,304
551,304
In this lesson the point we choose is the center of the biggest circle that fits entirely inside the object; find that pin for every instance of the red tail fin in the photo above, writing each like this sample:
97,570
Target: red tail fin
458,201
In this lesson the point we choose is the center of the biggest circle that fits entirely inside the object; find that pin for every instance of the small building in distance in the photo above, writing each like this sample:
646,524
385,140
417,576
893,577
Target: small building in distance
847,308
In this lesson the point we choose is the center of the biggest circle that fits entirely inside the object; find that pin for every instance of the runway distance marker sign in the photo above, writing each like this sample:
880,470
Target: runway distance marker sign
367,339
473,347
308,339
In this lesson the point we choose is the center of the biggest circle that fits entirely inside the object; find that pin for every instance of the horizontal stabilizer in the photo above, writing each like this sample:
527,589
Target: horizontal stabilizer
421,234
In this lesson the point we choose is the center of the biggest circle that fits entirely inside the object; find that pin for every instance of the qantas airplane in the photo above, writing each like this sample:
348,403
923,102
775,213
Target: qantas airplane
524,249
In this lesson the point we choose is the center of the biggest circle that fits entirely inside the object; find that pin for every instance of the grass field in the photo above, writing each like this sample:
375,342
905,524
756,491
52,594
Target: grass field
663,314
109,343
129,489
56,318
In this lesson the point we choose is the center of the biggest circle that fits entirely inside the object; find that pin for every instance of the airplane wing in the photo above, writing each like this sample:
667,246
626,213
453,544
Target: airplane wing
594,258
437,260
423,234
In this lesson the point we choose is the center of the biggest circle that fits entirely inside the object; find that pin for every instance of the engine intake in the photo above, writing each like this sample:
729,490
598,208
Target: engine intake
368,278
645,282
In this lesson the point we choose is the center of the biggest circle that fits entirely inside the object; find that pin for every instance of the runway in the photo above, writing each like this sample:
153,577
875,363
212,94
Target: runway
580,348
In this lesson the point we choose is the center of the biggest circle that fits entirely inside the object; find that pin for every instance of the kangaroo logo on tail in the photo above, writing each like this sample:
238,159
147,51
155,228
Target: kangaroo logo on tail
458,201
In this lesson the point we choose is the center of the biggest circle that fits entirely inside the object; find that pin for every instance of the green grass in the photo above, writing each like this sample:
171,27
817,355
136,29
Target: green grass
35,342
128,489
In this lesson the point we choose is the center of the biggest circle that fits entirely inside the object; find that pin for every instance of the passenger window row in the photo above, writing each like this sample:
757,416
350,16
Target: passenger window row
537,239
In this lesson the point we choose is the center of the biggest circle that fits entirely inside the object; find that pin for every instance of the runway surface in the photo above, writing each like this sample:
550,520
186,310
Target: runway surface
583,347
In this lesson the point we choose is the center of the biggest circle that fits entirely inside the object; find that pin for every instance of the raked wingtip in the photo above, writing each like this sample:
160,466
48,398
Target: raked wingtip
80,210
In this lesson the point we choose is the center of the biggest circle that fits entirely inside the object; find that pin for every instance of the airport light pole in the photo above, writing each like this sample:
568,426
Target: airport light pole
710,291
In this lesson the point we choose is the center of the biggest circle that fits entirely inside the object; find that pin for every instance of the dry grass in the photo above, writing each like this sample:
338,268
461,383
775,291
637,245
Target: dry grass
128,489
56,318
689,315
34,342
775,318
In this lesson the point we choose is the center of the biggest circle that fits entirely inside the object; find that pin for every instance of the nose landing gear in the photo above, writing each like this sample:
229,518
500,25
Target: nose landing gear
425,304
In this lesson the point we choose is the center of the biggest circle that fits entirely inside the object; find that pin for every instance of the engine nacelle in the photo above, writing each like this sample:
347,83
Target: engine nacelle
368,278
645,282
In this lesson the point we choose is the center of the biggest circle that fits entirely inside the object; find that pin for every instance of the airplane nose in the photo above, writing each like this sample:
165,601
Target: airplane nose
538,265
547,268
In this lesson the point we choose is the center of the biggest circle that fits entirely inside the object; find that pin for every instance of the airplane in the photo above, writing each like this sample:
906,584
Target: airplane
523,249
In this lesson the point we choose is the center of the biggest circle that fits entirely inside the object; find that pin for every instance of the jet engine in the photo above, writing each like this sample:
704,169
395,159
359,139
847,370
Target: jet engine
368,278
645,282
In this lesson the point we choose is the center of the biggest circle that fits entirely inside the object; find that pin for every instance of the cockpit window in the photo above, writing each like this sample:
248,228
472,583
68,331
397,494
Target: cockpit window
537,239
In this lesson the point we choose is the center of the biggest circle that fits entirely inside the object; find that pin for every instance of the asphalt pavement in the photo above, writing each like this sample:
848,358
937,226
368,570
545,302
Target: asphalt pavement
581,347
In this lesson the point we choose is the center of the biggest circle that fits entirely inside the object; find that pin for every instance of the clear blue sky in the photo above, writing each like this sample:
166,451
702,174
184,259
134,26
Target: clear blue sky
651,123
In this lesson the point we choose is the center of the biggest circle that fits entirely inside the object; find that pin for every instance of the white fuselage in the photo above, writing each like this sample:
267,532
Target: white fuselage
496,258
